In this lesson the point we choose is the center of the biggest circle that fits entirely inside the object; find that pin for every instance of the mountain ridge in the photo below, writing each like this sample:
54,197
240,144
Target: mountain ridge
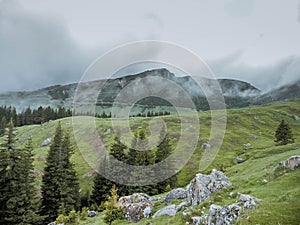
236,93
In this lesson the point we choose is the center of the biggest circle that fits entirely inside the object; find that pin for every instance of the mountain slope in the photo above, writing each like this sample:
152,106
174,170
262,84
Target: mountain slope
236,93
254,125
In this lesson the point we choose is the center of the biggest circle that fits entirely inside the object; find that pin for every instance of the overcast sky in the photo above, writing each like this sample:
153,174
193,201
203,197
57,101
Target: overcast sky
54,41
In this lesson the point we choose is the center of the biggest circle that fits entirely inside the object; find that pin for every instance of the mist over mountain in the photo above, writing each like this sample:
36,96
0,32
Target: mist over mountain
236,93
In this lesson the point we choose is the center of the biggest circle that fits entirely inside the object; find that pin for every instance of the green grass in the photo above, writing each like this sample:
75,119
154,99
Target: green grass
279,196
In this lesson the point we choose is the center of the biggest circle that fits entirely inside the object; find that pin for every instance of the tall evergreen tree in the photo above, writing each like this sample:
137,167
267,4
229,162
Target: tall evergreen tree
101,185
164,150
284,134
117,150
143,157
59,183
18,196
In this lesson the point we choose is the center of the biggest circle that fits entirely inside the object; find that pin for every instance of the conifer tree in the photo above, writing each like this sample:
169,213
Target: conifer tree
18,196
59,183
113,210
164,150
284,134
101,185
117,150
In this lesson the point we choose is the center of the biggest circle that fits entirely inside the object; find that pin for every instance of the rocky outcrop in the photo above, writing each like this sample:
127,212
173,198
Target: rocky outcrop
176,194
170,210
136,206
223,215
203,186
226,215
291,163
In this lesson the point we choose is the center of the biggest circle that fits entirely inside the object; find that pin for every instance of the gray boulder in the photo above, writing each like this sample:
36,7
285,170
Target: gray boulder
170,210
297,118
91,213
291,163
248,145
46,142
247,201
136,206
202,186
206,146
200,220
239,160
175,194
219,215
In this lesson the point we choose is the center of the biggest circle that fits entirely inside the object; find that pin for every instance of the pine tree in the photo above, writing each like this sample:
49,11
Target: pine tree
113,210
59,183
143,157
117,150
284,134
18,201
101,185
164,150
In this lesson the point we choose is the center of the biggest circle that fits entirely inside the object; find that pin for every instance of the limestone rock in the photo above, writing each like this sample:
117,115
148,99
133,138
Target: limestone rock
46,142
170,210
248,145
200,220
175,194
297,118
202,186
291,163
239,160
136,206
247,201
206,146
219,215
91,213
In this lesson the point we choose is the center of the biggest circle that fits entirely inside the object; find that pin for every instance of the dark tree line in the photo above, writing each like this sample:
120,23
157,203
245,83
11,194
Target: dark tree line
30,116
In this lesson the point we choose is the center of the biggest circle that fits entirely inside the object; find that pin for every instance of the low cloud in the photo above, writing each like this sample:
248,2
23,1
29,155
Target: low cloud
266,77
36,50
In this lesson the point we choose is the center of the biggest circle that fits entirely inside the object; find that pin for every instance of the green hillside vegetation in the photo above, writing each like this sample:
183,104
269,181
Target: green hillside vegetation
279,194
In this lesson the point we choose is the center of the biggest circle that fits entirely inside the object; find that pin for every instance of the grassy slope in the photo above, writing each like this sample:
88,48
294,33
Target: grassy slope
280,195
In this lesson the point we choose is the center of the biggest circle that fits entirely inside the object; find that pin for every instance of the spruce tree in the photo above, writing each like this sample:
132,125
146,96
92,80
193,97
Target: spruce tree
164,150
18,195
101,185
143,157
59,183
117,150
284,134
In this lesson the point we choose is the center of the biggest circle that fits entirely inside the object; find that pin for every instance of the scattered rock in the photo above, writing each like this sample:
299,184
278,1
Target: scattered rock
247,201
202,186
91,213
136,206
296,118
223,215
206,146
197,220
254,138
46,142
53,223
256,118
265,181
170,210
291,163
248,145
239,160
175,194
